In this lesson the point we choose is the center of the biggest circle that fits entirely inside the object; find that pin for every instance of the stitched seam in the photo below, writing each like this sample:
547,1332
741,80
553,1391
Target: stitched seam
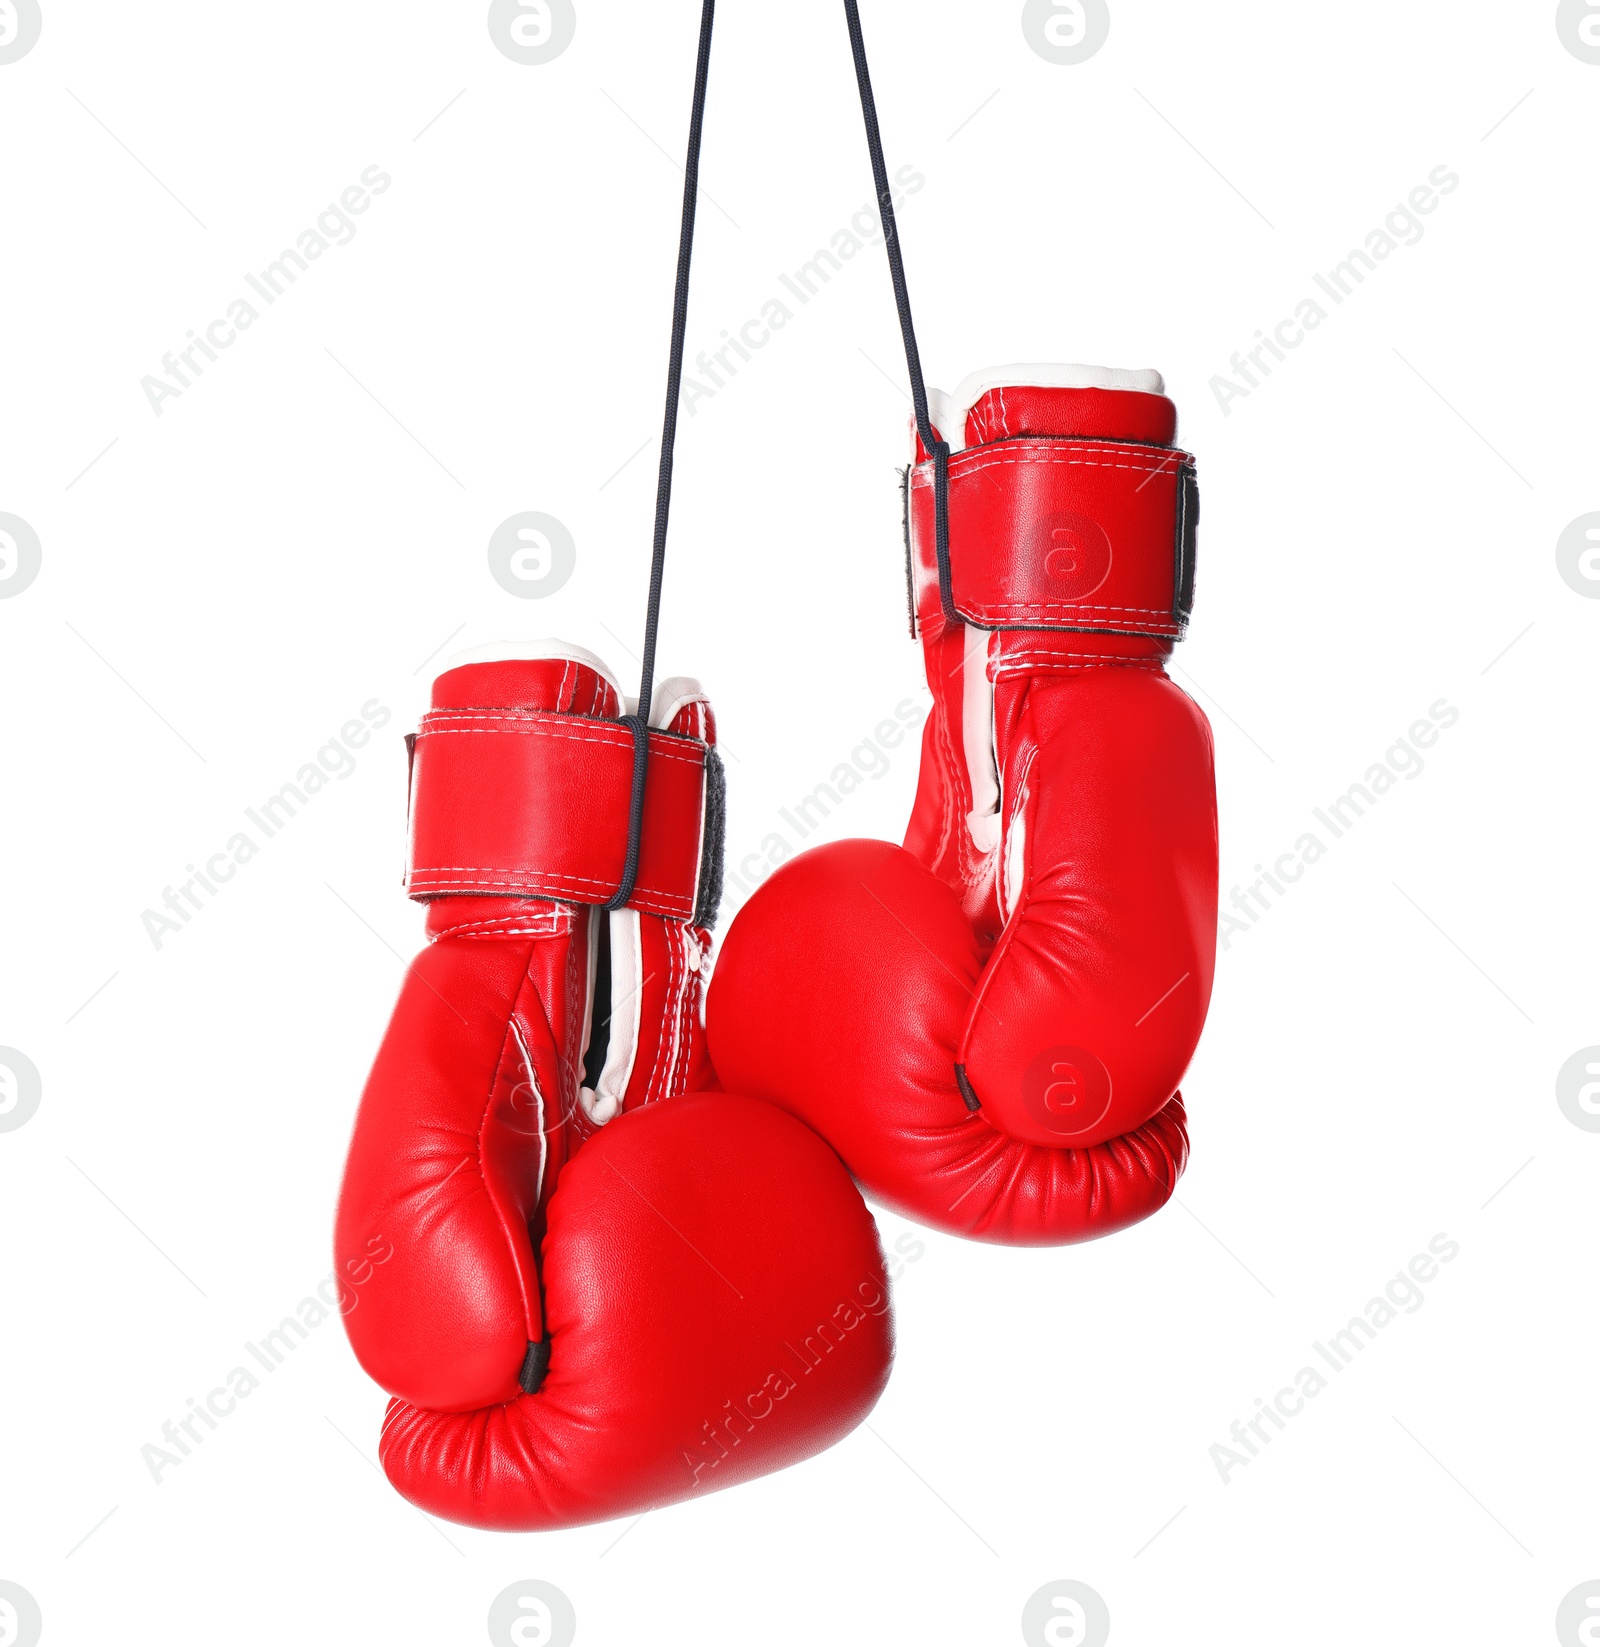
560,919
496,869
502,929
483,1122
1052,652
671,1018
558,718
685,1030
532,878
660,1081
1070,606
1044,663
964,464
503,932
677,937
693,996
656,902
537,729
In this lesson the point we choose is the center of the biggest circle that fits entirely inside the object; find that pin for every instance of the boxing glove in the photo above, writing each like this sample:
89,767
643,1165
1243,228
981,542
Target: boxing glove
590,1290
990,1023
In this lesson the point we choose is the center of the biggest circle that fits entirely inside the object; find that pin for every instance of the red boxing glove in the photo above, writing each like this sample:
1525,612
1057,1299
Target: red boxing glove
586,1302
990,1023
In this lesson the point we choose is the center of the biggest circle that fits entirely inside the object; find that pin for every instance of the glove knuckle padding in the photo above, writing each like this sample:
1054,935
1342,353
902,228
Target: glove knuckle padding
840,948
686,1301
824,1040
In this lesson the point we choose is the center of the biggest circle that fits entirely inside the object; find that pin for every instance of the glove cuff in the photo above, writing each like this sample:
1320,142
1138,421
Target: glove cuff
1069,509
510,799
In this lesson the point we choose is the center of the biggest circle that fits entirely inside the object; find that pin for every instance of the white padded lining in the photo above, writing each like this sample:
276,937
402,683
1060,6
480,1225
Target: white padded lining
949,412
977,739
604,1100
671,696
1016,856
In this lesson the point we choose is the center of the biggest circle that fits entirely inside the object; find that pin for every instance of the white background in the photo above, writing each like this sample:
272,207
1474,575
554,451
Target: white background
232,580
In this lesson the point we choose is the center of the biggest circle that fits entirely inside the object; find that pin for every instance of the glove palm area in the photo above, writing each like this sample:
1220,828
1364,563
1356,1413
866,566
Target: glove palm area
604,1291
990,1023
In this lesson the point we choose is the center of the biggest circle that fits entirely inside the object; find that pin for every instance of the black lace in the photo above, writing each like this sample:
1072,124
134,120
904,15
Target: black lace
640,721
937,449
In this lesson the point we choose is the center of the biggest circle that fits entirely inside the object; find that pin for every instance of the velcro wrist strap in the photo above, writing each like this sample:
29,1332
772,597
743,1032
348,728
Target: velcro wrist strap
1086,535
530,804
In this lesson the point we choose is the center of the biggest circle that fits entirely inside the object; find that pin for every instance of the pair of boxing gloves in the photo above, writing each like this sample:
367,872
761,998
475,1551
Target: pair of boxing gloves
603,1241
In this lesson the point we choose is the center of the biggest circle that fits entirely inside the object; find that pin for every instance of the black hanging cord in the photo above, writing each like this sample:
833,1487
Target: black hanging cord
640,722
938,449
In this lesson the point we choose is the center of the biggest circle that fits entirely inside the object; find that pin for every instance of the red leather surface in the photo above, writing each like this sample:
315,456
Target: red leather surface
876,969
718,1307
444,1161
527,683
1055,533
1089,414
536,805
1060,952
473,1152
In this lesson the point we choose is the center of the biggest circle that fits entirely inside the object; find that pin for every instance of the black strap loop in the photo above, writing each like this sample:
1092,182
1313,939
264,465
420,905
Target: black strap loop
640,721
938,449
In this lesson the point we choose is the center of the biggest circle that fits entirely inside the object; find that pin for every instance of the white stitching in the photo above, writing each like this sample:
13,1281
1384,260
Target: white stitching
663,901
524,728
560,914
1044,662
1070,605
505,928
500,869
1017,458
1056,652
987,458
663,1066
